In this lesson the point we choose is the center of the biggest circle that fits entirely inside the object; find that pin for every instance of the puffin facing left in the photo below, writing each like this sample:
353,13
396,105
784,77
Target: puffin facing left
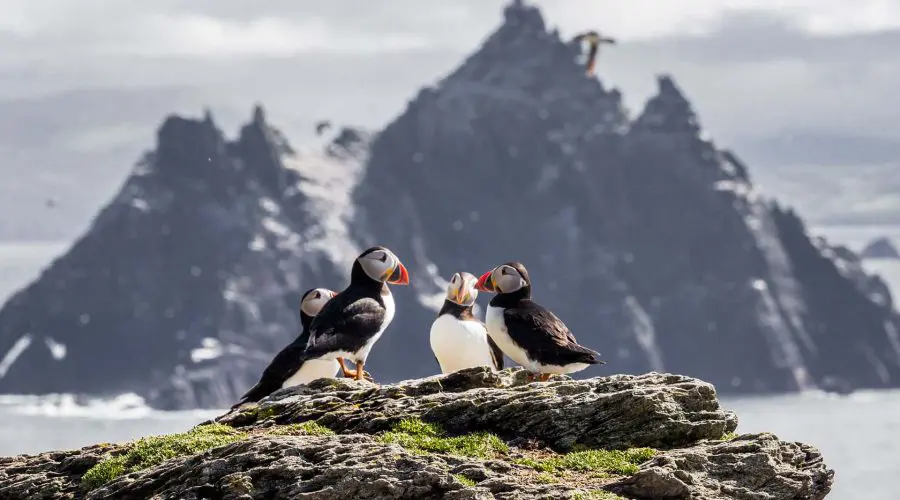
350,324
458,339
526,332
288,368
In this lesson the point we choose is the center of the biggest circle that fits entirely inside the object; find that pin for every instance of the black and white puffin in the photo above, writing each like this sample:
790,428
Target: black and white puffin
350,324
526,332
458,339
289,368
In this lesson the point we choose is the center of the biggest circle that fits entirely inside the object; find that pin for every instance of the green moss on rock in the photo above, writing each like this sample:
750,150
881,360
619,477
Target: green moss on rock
304,429
464,480
616,462
418,436
150,451
596,495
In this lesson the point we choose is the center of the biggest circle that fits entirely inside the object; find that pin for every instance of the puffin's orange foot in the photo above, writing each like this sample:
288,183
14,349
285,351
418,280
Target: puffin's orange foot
529,377
347,373
544,377
359,370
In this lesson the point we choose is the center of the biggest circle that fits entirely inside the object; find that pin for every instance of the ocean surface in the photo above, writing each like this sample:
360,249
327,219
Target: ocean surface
858,434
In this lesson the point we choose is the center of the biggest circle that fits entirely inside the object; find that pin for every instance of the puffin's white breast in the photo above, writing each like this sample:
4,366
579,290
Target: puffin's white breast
459,344
496,328
311,370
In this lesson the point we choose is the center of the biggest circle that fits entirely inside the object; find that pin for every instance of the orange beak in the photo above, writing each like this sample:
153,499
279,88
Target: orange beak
486,282
400,276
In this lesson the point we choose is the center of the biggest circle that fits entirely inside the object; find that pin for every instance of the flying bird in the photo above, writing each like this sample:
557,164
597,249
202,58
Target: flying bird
526,332
322,126
458,339
594,40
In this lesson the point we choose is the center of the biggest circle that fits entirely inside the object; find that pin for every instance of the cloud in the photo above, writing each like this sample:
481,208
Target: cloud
750,66
649,19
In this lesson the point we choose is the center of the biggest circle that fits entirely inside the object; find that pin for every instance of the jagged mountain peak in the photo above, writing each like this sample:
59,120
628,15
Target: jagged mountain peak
880,248
193,268
188,143
668,111
517,12
527,66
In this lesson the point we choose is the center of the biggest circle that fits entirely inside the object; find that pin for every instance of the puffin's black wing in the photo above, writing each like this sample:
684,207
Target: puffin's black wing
496,353
544,336
285,364
344,324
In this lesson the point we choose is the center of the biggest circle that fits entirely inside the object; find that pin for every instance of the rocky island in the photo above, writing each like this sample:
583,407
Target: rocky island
646,237
473,434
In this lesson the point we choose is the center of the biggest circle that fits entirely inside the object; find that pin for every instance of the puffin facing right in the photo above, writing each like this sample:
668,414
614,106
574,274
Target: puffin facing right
457,338
526,332
349,324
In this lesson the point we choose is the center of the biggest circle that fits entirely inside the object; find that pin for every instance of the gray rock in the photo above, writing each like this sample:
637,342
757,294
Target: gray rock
621,411
752,466
677,414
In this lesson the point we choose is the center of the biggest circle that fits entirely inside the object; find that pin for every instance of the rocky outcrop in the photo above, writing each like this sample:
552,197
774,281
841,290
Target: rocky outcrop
748,466
621,411
561,439
644,236
880,248
187,280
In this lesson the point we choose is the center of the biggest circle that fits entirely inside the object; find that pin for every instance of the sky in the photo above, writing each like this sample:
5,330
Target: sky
96,77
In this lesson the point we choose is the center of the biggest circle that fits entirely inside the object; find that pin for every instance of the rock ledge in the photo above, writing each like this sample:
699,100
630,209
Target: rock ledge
561,422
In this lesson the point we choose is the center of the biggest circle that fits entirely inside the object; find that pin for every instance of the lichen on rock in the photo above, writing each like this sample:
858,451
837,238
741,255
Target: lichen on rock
473,434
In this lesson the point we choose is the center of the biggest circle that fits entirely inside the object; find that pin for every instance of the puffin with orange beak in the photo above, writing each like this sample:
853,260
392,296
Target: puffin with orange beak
526,332
458,339
350,324
289,368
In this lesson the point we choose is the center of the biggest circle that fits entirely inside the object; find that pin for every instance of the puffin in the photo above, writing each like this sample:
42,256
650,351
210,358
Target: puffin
594,40
288,368
353,321
527,332
458,339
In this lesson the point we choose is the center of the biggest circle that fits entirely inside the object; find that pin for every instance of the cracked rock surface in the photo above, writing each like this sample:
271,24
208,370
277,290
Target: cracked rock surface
621,411
677,415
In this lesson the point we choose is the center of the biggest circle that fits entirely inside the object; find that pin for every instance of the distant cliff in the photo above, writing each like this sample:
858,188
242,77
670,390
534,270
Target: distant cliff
644,236
880,248
188,280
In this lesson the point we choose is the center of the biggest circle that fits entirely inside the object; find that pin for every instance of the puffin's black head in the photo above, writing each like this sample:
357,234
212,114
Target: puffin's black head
380,265
312,302
511,277
461,289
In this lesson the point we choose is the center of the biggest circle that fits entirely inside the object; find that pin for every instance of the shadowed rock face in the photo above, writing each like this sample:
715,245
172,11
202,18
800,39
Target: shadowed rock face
646,238
185,282
676,414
